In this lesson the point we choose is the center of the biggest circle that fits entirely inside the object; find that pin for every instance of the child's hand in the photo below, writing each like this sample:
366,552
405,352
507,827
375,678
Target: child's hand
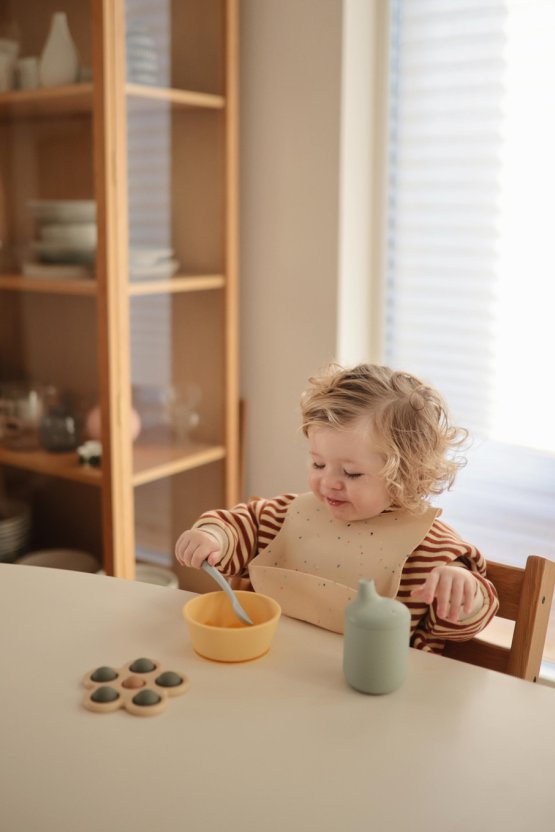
455,589
195,546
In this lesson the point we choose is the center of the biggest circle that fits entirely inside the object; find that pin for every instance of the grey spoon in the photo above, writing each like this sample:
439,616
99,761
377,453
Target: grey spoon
219,578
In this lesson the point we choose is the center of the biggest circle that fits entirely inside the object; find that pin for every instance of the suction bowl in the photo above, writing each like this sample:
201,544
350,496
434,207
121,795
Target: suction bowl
216,632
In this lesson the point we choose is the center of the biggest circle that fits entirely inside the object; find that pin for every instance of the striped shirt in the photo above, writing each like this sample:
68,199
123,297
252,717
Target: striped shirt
249,527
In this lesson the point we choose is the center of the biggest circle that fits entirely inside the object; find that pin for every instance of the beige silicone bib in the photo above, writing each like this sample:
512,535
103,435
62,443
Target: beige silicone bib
313,565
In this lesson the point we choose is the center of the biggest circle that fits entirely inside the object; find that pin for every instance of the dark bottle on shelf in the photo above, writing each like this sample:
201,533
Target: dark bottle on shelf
59,426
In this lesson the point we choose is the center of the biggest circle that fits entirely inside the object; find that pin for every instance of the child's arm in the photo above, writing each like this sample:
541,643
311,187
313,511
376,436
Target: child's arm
445,588
231,538
457,593
194,546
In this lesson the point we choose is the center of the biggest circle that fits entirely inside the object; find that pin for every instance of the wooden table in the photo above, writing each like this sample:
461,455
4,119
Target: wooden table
278,744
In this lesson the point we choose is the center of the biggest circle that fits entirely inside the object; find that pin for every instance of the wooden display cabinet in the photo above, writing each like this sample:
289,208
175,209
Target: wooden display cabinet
159,157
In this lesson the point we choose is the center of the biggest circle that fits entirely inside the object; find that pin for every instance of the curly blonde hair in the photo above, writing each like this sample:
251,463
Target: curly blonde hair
420,446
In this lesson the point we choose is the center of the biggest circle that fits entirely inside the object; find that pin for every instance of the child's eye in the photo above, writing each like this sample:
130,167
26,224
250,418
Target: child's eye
352,476
318,466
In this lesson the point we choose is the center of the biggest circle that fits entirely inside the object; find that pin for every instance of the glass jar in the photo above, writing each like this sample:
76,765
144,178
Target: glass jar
58,428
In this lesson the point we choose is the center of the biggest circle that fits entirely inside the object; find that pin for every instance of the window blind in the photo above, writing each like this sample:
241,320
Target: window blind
470,265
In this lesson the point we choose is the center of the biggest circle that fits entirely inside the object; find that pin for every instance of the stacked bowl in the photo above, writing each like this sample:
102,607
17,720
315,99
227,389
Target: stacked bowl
148,263
15,525
66,237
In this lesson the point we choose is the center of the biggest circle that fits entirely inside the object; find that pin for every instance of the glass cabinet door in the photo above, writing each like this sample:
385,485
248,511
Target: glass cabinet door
180,281
48,316
118,353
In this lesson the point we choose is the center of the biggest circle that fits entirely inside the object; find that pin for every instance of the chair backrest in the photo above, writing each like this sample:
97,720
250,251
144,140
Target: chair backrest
525,597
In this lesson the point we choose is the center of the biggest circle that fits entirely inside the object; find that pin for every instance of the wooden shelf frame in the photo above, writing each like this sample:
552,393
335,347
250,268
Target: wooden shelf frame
205,133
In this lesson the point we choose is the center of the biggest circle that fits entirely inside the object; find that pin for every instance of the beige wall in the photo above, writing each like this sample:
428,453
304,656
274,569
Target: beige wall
290,157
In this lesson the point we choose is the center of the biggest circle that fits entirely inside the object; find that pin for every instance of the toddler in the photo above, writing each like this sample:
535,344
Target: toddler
380,446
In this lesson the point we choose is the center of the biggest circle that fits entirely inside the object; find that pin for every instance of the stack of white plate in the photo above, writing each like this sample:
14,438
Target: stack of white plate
67,237
148,263
62,559
15,525
148,573
141,56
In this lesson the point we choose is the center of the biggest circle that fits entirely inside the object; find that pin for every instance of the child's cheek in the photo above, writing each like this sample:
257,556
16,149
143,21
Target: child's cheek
313,481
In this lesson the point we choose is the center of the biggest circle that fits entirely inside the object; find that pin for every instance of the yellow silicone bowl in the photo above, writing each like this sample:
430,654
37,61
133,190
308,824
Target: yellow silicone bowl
216,632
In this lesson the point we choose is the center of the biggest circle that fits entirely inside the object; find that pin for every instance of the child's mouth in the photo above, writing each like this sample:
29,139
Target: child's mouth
334,503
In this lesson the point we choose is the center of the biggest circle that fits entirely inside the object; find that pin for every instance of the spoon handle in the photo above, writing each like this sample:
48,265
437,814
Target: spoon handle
219,578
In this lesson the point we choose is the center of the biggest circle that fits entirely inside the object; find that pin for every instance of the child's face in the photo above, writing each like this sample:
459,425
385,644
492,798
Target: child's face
345,471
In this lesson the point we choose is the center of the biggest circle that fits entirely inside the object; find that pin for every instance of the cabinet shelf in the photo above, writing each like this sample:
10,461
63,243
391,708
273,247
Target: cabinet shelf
78,98
64,465
151,461
189,283
47,101
18,283
156,460
143,95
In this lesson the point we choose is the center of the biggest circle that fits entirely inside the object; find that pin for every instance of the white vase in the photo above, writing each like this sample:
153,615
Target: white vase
59,62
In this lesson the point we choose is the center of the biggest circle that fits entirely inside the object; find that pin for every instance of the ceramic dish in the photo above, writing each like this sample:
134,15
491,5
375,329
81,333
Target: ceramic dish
51,247
14,530
216,632
59,271
162,270
148,573
149,256
79,234
55,253
62,559
63,210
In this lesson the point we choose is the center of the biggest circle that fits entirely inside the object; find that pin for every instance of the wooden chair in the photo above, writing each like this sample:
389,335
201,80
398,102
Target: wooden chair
525,597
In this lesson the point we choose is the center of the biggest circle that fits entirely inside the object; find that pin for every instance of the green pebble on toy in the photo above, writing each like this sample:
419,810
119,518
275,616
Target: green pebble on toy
169,679
104,674
147,698
105,694
142,666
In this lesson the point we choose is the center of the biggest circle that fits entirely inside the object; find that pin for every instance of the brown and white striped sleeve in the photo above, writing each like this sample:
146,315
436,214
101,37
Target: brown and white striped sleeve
246,529
443,546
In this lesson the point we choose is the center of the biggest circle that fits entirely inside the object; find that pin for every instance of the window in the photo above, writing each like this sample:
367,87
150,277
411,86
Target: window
470,275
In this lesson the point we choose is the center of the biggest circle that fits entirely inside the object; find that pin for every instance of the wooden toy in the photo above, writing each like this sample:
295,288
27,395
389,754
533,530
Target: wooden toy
141,686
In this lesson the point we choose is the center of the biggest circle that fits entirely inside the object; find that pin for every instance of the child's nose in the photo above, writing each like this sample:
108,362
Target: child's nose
332,480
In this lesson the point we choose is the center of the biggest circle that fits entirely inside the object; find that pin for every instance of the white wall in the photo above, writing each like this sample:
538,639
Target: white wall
290,126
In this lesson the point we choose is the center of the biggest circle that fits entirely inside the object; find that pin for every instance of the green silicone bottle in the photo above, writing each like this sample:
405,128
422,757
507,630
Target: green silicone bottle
376,641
